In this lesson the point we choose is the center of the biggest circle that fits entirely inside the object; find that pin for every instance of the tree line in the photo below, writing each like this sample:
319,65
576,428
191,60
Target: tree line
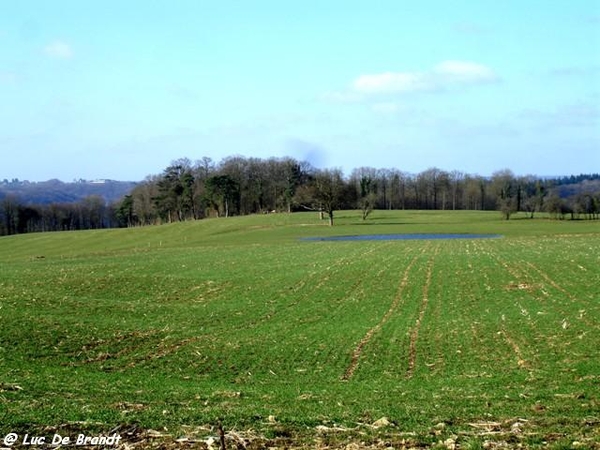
238,185
91,212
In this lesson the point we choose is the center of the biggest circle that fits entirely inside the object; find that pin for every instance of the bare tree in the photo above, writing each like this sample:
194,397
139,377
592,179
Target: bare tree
365,181
507,191
324,192
456,185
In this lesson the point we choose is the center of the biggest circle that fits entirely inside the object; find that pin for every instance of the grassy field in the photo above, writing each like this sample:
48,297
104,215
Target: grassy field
161,333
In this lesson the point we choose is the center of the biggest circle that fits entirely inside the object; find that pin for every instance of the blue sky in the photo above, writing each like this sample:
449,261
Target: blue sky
119,89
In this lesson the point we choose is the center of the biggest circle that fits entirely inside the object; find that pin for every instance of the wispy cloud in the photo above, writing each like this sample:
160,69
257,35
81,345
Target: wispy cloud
572,71
385,107
464,72
592,19
182,92
582,114
8,77
59,49
341,97
391,82
445,75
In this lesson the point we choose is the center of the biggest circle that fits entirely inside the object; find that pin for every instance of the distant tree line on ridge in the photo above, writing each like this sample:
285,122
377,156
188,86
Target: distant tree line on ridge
239,186
91,212
56,191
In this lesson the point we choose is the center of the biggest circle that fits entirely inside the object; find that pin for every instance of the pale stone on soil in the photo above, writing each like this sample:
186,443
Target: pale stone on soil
383,422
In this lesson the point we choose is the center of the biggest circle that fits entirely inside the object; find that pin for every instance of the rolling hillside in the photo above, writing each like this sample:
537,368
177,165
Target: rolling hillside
164,334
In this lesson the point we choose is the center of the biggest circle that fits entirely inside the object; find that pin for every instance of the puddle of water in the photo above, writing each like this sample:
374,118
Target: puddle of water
403,237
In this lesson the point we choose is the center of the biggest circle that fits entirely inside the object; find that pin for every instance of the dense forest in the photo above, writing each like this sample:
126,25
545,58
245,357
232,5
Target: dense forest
238,185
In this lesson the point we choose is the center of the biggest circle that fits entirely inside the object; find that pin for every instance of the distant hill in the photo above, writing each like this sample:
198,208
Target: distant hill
589,186
571,186
56,191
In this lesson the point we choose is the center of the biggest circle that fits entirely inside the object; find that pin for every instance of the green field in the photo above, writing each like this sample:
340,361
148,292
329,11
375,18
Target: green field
175,328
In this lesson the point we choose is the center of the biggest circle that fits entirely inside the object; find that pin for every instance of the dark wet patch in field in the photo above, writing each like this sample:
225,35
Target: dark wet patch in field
403,237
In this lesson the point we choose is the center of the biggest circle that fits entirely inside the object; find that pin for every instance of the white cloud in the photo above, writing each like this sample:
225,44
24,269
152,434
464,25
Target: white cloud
444,75
58,49
464,72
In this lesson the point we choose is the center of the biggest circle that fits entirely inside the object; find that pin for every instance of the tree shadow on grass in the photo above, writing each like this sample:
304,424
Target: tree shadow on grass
387,223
